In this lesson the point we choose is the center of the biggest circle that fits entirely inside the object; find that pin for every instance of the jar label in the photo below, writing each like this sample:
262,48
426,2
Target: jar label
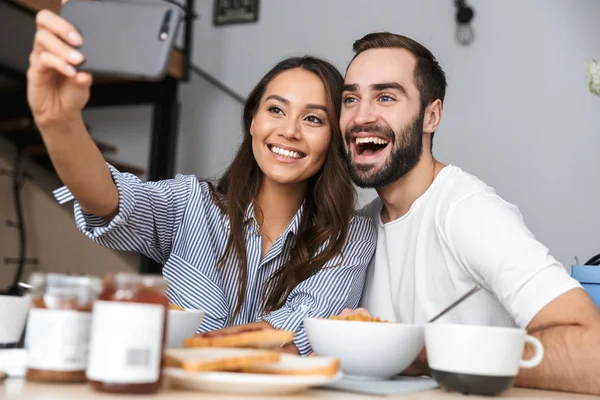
126,342
57,340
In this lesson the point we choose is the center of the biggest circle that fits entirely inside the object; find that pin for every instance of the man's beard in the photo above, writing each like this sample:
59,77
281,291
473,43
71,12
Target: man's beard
405,154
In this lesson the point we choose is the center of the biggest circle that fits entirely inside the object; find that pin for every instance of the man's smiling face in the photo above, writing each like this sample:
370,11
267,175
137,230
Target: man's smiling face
381,117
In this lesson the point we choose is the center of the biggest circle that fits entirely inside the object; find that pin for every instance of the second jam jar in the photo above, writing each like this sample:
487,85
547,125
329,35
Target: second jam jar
128,334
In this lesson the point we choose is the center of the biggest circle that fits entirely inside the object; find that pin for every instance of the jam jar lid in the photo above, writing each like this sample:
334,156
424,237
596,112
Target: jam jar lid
135,280
55,288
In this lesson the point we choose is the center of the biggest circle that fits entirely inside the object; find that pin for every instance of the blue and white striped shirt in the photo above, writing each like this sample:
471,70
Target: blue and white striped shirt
177,223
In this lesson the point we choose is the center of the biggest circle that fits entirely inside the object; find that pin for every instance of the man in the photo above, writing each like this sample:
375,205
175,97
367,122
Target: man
442,231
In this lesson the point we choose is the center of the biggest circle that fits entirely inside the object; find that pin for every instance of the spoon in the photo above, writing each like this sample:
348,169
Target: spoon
457,302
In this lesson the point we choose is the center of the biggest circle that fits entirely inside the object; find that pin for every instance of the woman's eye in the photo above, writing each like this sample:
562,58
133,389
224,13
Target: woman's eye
314,120
275,110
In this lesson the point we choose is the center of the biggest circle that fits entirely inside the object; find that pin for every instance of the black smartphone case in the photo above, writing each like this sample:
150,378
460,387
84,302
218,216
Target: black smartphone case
123,39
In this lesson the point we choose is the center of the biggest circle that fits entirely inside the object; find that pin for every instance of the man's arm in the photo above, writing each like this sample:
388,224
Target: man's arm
569,328
496,248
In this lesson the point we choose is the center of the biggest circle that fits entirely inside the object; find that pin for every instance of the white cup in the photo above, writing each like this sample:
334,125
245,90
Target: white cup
478,359
13,315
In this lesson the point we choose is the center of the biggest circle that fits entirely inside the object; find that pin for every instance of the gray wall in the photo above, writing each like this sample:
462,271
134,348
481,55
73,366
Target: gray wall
518,113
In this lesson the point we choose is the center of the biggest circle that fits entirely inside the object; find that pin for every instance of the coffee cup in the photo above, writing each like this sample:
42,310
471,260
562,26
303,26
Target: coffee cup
474,359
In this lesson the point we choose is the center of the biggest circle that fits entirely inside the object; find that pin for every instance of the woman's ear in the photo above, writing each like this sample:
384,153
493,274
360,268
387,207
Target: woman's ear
432,116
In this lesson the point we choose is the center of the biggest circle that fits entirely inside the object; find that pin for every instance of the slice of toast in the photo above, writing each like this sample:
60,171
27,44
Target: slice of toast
263,339
218,359
296,365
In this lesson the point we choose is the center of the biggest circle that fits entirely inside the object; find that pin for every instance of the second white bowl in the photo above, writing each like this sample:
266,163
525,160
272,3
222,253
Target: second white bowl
366,350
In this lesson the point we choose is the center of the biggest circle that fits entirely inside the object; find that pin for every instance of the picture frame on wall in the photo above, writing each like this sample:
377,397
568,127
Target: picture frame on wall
228,12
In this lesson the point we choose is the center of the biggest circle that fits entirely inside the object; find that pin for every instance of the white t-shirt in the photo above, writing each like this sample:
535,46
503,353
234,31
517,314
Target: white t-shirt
457,234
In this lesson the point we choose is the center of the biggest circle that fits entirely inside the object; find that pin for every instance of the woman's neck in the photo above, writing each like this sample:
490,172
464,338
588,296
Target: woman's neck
278,203
275,206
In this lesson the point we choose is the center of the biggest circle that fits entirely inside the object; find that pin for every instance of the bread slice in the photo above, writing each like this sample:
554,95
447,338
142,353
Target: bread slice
296,365
218,359
263,339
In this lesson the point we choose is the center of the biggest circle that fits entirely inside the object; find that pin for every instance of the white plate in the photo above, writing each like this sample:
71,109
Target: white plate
243,383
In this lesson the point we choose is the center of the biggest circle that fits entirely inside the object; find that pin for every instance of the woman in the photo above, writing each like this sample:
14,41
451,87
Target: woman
274,242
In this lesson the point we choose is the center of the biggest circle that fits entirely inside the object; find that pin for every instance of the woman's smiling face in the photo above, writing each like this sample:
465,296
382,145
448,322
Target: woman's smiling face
291,128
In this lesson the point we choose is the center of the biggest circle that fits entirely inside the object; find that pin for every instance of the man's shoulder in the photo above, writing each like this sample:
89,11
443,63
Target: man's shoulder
458,185
460,182
463,196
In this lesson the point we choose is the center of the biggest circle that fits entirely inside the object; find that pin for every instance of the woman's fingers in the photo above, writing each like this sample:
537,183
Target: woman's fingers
83,78
46,41
48,60
363,311
58,26
290,348
347,312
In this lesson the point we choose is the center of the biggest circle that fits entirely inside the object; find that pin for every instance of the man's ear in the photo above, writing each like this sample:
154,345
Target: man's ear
432,116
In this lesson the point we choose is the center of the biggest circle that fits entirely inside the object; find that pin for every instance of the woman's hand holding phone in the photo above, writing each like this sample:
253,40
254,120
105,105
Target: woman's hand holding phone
56,91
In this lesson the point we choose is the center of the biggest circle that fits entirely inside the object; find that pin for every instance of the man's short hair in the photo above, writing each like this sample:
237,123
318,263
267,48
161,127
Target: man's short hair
429,77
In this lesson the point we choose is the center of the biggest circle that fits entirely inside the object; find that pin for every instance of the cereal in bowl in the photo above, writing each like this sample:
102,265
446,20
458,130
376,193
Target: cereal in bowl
359,317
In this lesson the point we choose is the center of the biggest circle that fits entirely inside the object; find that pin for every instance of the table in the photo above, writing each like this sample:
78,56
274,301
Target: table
19,389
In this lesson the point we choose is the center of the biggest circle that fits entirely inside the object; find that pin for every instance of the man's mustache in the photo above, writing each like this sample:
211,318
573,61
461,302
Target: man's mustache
382,130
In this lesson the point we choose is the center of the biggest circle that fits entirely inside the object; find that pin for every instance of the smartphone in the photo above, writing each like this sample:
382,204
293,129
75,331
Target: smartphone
124,39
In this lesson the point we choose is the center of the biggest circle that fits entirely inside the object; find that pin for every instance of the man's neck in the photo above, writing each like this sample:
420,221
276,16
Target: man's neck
400,195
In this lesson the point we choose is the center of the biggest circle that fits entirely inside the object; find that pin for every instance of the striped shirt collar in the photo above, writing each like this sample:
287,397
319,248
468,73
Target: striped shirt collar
292,228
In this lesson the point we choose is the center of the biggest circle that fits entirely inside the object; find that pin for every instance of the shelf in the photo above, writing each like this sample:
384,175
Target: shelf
21,131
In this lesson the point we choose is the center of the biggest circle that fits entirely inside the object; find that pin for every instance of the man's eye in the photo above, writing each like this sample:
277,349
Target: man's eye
386,99
348,100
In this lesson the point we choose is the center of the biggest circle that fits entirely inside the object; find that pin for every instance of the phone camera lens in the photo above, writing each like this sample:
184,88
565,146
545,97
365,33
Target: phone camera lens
164,30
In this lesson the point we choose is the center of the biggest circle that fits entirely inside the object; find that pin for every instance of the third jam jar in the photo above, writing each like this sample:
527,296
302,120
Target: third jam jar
128,334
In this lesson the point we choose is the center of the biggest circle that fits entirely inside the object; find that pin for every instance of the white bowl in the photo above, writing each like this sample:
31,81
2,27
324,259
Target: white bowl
13,315
366,350
181,325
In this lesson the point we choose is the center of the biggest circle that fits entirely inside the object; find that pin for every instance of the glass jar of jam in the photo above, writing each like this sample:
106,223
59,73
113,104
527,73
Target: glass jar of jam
58,326
128,334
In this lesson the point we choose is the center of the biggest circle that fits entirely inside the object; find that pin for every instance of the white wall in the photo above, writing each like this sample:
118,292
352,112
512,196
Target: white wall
517,113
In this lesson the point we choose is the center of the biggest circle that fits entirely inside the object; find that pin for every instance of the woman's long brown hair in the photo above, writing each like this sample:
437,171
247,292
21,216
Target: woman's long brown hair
329,202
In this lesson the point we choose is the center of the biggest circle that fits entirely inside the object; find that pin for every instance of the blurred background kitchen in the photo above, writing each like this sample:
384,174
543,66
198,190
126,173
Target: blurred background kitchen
519,112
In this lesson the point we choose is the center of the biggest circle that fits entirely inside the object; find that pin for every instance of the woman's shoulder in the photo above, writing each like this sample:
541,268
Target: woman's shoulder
197,191
203,187
362,227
